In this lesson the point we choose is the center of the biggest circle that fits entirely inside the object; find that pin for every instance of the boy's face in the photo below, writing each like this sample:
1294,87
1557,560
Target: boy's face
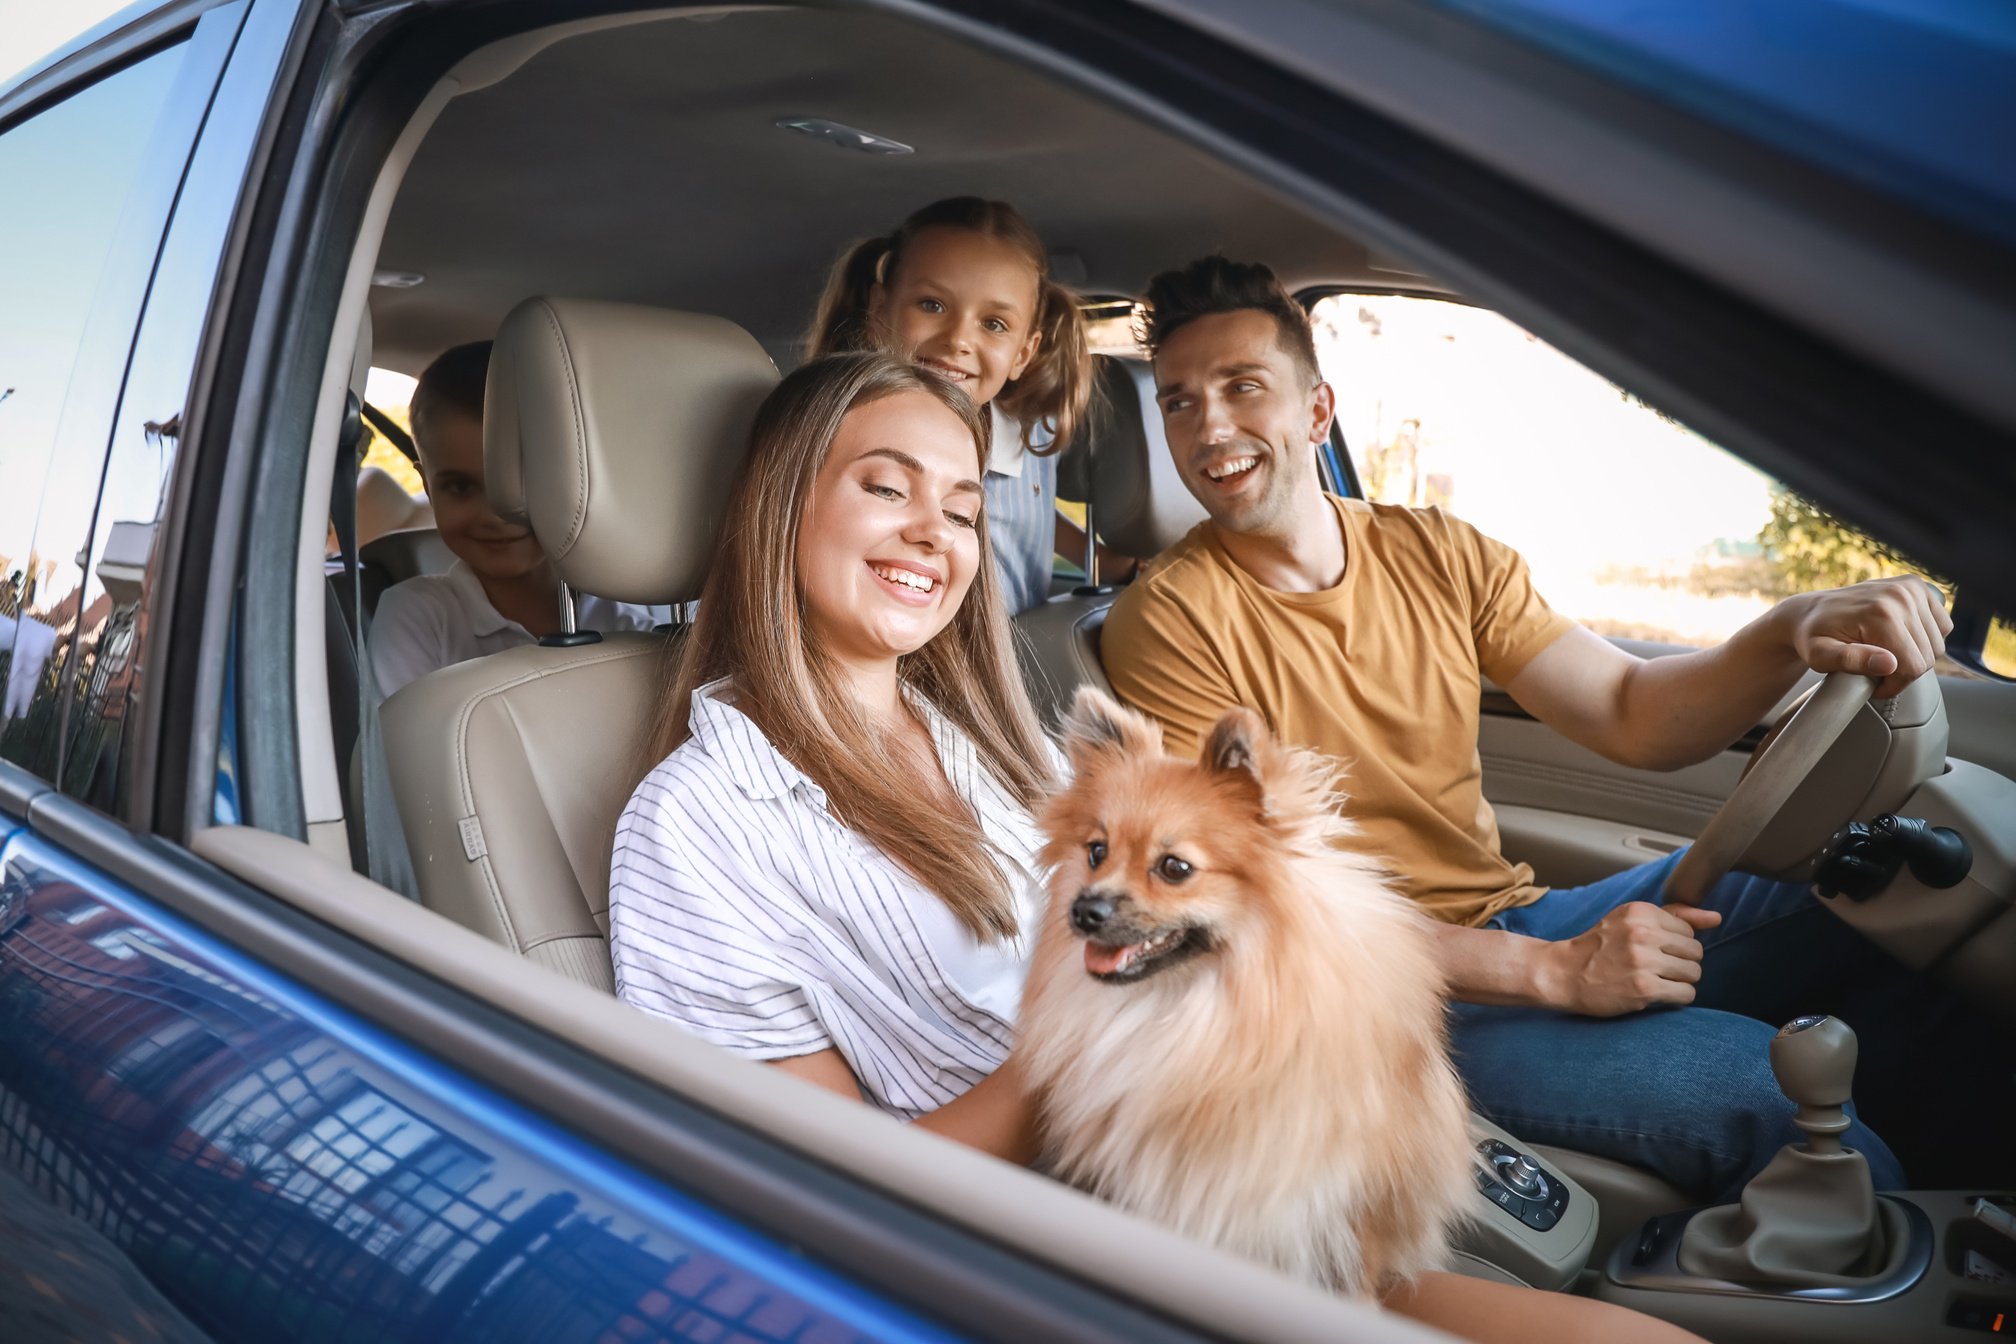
451,463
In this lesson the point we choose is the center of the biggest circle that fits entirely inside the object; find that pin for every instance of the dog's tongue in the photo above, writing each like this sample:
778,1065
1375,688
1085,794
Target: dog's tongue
1102,960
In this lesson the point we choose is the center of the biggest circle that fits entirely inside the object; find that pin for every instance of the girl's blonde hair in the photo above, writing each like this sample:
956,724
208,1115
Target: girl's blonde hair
1056,387
752,628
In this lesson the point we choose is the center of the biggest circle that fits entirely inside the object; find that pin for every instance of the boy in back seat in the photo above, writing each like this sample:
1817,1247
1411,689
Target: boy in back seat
501,592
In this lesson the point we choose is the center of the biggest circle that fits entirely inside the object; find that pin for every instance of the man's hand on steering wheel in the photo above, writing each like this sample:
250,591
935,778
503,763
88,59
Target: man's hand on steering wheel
1888,628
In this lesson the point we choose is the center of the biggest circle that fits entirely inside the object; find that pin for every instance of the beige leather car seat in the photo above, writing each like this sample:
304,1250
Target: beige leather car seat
1140,506
384,506
614,430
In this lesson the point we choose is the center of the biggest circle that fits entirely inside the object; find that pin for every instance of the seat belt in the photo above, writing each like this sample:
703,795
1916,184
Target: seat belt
386,860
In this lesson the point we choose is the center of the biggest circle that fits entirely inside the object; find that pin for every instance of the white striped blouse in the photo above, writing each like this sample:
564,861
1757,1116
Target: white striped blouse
743,910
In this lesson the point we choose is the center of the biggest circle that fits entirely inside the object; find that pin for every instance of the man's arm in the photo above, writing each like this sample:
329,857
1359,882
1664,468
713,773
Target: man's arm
1639,955
1663,713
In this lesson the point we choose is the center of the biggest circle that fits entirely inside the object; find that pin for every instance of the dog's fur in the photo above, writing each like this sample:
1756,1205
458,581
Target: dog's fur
1278,1082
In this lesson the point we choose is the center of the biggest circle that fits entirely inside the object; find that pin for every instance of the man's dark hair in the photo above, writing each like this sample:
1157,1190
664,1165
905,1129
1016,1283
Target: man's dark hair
453,382
1218,285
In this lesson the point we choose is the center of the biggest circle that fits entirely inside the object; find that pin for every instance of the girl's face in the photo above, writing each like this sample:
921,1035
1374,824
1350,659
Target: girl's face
963,306
889,542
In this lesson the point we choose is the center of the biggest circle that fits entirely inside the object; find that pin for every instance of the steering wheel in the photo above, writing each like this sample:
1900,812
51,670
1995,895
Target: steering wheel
1775,774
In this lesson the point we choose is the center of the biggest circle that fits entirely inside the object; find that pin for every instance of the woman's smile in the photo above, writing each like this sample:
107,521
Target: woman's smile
908,582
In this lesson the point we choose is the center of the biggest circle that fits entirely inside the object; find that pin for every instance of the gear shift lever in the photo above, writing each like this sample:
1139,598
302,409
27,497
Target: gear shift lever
1813,1059
1810,1218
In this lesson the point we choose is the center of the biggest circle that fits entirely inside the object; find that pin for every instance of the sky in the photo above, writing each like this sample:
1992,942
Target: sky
30,29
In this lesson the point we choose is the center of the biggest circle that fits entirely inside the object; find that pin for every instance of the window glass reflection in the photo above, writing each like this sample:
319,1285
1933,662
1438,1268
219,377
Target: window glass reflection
72,174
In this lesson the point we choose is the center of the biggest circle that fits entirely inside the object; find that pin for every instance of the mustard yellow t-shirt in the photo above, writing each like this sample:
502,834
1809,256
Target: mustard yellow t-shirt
1381,671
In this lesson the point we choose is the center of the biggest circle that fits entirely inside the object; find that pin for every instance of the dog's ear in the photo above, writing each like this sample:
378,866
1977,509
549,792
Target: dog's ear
1236,743
1097,723
1296,785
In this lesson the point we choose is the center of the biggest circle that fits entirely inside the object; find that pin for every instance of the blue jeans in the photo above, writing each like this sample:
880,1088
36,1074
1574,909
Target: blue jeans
1684,1092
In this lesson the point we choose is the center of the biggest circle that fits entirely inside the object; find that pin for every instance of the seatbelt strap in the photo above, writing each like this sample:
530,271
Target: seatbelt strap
386,861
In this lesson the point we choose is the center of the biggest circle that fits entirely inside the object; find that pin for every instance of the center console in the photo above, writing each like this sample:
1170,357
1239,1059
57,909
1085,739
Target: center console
1957,1283
1808,1252
1532,1224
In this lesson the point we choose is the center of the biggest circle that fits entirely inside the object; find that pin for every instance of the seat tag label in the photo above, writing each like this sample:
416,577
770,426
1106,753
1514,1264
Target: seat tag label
472,839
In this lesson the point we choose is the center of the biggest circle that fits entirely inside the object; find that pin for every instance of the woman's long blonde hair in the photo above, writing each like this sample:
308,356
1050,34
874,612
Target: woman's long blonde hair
752,628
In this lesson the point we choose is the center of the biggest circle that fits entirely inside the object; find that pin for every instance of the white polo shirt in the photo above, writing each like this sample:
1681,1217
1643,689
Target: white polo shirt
433,620
742,909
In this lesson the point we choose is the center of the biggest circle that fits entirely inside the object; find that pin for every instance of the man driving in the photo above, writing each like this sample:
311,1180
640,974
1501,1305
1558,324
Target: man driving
1363,629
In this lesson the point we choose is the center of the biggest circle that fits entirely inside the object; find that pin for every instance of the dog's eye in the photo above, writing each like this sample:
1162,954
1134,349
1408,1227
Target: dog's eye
1173,869
1095,853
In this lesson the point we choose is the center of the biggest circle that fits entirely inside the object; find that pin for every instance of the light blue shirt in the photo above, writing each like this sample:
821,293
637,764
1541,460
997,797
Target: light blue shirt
1021,515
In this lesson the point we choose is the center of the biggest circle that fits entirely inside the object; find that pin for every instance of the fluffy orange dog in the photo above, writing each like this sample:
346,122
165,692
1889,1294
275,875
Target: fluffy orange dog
1232,1025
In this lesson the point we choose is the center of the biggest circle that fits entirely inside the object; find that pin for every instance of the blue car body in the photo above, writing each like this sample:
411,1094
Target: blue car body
201,1076
288,1168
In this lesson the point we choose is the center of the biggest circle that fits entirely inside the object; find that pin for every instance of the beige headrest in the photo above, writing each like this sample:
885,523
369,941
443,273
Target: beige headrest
615,430
1139,504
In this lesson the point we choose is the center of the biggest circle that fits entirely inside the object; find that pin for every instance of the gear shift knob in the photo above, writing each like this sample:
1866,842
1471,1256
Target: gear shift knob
1814,1061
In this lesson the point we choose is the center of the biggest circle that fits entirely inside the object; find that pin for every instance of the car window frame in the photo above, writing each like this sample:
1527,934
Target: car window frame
278,386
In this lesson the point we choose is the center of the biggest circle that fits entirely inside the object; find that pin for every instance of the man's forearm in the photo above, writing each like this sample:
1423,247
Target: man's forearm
1493,966
1684,708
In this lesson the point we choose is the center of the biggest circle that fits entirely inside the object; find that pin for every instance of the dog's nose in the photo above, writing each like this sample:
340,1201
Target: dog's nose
1090,912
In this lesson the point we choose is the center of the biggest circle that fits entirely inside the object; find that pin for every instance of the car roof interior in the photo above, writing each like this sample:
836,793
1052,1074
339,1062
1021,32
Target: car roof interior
644,163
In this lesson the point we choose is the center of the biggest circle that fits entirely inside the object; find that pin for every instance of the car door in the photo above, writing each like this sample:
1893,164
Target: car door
220,1058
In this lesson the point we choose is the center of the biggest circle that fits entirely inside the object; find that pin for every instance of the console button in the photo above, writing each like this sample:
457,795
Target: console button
1523,1175
1541,1218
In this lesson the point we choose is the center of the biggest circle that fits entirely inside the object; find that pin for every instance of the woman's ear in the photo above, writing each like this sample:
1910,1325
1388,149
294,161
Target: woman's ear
1097,724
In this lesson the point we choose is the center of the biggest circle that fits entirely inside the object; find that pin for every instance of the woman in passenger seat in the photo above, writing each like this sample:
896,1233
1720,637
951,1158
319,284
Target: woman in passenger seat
501,591
962,287
846,695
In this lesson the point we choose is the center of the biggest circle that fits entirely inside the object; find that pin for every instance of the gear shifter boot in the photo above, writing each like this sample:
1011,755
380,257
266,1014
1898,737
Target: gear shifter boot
1810,1218
1806,1219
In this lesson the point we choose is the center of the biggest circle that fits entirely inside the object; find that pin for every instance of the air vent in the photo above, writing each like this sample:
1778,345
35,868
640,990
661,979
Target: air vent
844,137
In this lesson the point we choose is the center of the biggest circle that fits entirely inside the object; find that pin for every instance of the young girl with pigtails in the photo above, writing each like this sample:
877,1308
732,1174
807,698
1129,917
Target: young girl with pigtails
962,289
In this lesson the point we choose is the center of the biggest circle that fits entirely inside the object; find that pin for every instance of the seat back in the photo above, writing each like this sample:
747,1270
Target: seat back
614,430
394,557
1140,507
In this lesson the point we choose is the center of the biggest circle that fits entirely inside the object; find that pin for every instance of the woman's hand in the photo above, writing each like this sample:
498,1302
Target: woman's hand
996,1115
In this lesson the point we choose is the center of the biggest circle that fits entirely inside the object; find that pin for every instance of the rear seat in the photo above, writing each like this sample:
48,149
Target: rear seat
1140,507
394,557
